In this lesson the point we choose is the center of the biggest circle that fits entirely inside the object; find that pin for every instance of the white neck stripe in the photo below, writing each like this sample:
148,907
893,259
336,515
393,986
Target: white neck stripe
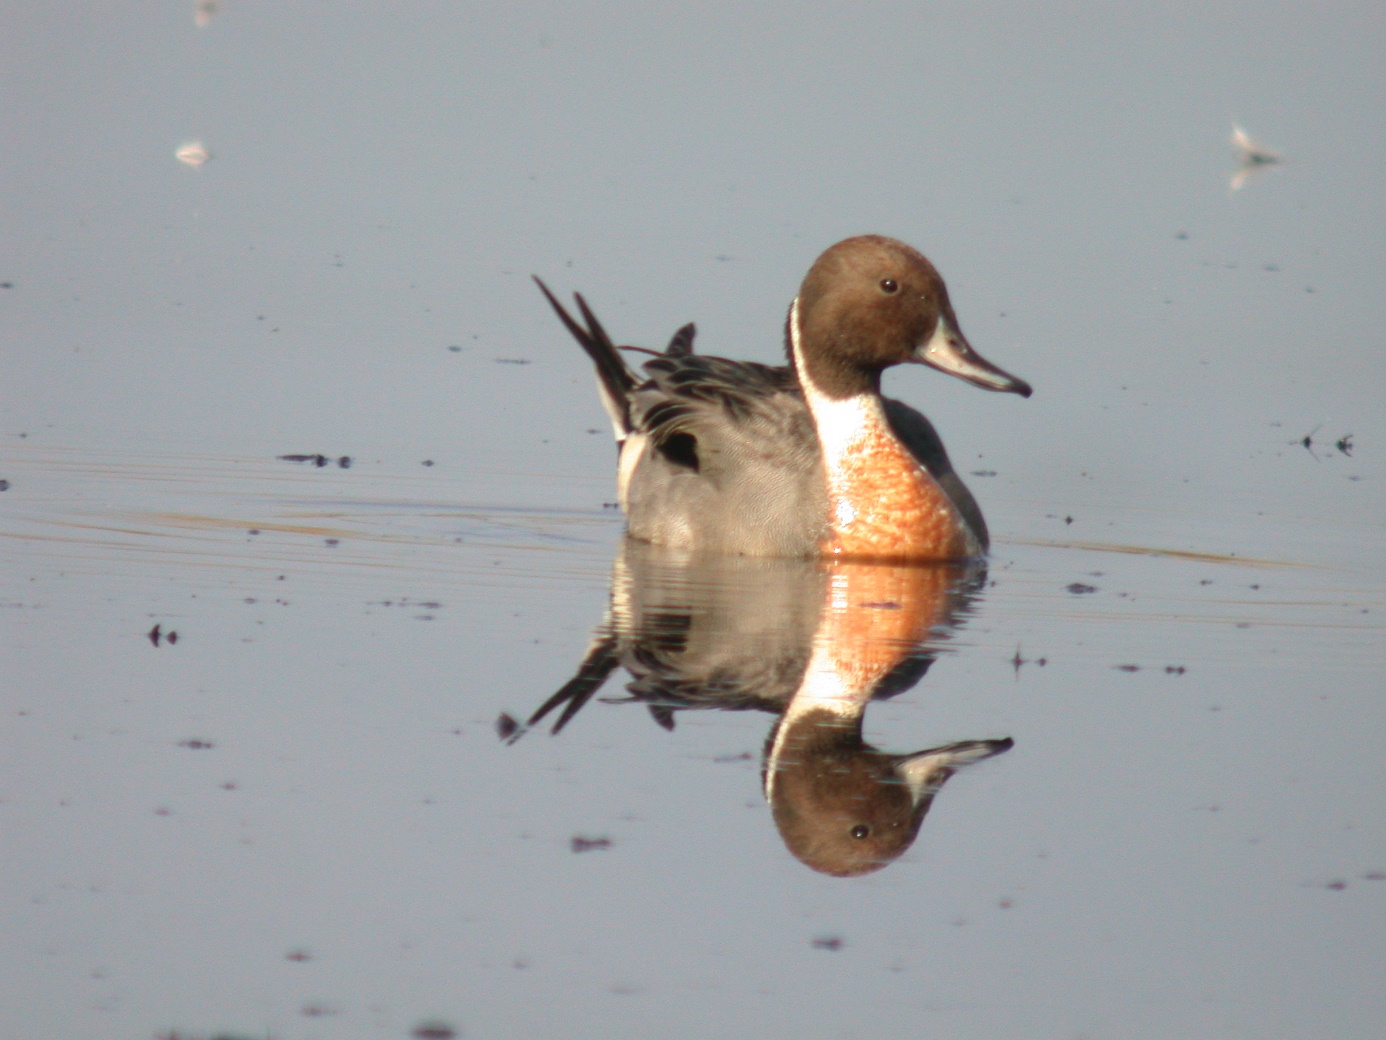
840,421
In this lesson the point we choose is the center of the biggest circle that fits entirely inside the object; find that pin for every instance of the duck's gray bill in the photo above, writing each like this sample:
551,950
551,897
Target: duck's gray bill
948,351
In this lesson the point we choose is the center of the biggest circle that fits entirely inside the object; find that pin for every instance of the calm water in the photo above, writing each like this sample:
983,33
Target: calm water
262,775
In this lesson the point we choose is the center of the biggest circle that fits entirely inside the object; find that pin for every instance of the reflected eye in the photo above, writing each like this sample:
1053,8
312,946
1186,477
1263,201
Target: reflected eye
889,286
861,830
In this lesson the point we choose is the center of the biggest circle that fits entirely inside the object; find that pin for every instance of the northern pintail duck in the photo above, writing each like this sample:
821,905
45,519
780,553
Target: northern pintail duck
806,459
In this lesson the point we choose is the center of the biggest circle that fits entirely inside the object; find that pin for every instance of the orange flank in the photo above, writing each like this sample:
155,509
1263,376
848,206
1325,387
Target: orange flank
883,504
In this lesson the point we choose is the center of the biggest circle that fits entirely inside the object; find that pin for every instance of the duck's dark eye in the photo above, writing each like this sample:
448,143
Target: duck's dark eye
889,285
861,830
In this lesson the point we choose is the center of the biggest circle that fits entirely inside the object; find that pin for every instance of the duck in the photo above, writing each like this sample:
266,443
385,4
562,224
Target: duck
805,459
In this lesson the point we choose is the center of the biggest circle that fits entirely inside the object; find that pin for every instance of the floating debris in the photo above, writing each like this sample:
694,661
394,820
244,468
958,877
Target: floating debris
744,756
581,844
435,1030
193,154
343,461
1018,661
1251,156
204,11
1079,589
506,726
1307,441
157,636
196,744
828,942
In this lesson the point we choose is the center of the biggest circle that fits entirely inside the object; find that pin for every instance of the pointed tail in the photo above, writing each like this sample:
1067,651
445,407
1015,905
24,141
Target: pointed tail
615,380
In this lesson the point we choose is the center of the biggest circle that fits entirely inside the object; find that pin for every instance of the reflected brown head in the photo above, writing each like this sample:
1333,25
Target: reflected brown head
846,809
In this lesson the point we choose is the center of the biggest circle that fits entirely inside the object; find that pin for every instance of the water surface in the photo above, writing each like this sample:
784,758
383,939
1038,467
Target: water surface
298,818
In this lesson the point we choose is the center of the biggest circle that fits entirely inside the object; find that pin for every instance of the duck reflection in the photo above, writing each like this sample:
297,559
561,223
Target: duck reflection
814,642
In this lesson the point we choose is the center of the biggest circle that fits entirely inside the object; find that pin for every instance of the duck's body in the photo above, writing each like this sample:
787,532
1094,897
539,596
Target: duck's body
760,487
808,459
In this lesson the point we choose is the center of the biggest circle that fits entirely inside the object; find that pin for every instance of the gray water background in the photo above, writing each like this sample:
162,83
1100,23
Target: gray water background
1164,853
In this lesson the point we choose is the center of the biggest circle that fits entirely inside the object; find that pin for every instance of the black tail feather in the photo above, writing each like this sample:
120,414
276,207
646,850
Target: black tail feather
682,343
617,380
602,658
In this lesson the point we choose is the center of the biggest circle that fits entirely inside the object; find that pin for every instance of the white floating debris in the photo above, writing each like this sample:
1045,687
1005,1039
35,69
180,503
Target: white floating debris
192,153
1251,156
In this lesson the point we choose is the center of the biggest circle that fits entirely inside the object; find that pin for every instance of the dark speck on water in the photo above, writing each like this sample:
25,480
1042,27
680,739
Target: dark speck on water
4,485
196,744
156,635
581,844
1079,589
506,726
343,461
828,942
433,1031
